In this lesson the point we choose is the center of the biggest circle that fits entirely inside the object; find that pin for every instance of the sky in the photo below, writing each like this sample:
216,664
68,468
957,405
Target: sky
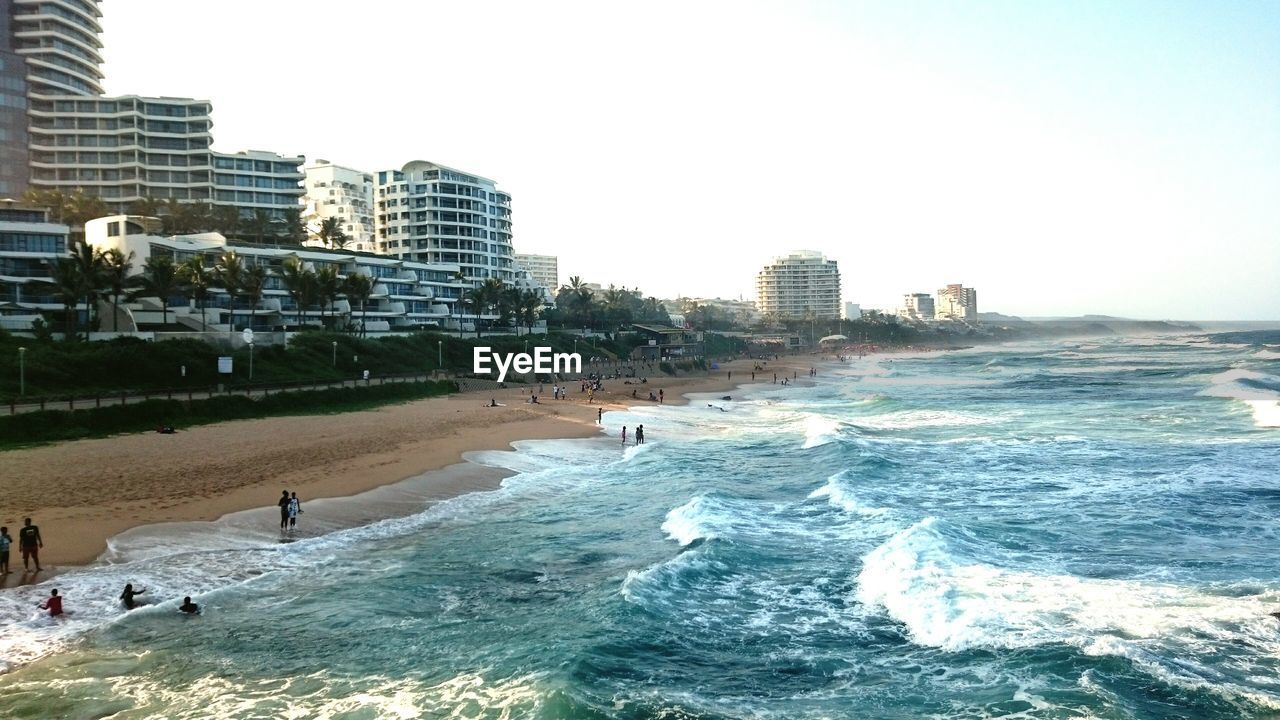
1063,158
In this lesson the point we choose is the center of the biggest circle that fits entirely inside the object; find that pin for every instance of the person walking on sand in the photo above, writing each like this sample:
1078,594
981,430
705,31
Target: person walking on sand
30,542
53,603
295,507
5,542
624,434
127,596
284,509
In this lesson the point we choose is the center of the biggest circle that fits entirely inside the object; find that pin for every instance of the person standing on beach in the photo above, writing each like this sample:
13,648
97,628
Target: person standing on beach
295,507
5,542
660,395
53,603
624,434
284,509
30,542
599,416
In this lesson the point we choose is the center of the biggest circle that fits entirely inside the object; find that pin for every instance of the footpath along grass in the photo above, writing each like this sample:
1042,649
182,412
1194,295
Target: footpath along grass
48,426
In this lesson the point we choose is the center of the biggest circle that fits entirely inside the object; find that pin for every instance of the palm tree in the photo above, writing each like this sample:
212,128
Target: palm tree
68,286
254,283
328,286
330,234
259,226
224,219
115,271
358,287
198,278
530,302
473,300
294,230
296,278
148,206
88,261
159,279
230,271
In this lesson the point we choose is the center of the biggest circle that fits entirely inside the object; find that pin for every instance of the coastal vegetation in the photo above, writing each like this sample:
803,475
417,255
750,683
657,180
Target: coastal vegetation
57,425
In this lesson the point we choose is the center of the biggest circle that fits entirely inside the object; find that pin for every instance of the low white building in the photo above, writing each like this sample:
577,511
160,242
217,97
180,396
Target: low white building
544,269
29,247
852,311
916,306
406,294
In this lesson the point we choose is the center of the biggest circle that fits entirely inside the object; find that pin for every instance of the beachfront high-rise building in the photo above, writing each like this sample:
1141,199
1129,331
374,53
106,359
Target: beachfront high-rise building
544,269
435,214
917,306
46,49
120,149
29,246
334,191
957,302
852,311
798,284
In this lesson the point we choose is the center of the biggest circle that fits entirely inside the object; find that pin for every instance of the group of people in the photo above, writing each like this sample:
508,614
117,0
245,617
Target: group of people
53,603
290,508
639,436
29,544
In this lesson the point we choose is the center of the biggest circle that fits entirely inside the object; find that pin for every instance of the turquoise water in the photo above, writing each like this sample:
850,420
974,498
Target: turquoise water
1045,531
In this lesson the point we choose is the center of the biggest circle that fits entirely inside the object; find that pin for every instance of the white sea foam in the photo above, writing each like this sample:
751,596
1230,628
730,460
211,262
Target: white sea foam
948,600
819,430
1267,354
1264,403
910,419
838,496
691,521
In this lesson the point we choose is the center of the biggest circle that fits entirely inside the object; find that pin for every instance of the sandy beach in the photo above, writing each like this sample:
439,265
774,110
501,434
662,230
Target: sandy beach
81,493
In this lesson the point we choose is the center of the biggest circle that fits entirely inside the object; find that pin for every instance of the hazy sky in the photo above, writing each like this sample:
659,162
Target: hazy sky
1063,158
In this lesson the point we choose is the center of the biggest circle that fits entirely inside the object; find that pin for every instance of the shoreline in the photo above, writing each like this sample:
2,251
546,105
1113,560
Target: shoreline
124,485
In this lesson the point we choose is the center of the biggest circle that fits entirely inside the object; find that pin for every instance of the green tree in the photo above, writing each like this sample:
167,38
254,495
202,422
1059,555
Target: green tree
254,286
225,219
230,270
115,270
259,225
147,206
328,286
294,230
159,279
69,287
528,306
198,278
358,287
331,235
298,281
93,279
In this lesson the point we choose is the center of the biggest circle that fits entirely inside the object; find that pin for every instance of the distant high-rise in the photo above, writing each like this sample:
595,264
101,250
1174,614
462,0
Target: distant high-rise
13,113
957,302
917,306
543,269
798,284
435,214
59,39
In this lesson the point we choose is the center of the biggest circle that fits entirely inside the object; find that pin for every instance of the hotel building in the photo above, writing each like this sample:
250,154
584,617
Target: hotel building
792,286
333,191
543,269
917,306
434,214
957,302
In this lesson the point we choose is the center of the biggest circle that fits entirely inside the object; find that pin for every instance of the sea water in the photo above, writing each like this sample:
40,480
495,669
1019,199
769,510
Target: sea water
1067,530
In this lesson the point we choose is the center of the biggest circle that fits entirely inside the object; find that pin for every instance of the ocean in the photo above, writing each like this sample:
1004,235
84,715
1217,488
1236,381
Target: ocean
1078,529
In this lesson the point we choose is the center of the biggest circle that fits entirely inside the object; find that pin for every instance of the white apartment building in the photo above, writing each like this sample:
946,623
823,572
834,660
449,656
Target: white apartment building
29,246
334,191
957,302
852,311
254,180
917,306
435,214
794,285
406,294
543,269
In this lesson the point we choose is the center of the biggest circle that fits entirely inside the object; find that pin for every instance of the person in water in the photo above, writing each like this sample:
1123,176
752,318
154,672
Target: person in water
53,603
127,596
284,509
624,434
295,507
189,607
640,435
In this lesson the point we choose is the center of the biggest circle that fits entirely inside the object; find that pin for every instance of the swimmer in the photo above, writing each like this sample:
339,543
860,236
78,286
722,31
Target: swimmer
53,603
127,596
189,607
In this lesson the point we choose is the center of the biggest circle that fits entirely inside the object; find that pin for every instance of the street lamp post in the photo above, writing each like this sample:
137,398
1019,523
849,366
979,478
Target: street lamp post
22,371
439,354
335,353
